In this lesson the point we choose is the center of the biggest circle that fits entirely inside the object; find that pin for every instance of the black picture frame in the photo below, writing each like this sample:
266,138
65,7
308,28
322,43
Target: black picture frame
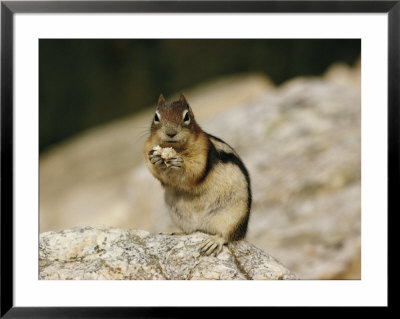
9,8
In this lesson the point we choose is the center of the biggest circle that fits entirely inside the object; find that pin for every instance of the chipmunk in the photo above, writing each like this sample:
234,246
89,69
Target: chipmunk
207,186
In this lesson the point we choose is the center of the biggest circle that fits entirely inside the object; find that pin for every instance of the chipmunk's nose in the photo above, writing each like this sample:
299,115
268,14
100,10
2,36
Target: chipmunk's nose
170,131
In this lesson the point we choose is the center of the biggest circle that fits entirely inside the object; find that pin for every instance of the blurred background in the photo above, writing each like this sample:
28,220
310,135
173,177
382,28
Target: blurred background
291,109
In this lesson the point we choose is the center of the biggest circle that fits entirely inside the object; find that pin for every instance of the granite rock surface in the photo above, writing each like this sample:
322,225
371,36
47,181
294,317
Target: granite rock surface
101,252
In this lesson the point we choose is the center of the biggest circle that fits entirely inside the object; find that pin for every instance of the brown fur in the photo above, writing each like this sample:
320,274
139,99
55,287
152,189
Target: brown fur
211,191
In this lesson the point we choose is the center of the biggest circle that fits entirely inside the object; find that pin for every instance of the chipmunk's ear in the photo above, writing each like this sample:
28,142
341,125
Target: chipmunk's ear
182,99
183,102
161,100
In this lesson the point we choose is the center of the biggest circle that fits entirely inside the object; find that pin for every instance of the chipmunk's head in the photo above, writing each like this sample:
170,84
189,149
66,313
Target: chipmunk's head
173,123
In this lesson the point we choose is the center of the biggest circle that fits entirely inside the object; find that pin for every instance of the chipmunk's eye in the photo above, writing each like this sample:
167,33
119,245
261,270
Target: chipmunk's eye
156,118
186,117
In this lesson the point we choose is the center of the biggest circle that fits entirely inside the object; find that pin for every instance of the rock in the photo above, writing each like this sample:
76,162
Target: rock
101,252
343,75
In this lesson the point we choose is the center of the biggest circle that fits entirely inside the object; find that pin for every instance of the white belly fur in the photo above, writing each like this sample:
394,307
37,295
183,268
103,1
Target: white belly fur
215,207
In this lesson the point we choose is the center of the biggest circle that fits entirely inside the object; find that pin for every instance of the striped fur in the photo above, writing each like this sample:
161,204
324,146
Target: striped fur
211,192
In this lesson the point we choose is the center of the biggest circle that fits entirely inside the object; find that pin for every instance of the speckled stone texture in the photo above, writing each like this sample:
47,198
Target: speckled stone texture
100,252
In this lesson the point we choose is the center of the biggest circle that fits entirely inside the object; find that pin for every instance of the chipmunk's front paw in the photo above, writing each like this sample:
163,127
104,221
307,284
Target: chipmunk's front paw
155,158
213,245
174,162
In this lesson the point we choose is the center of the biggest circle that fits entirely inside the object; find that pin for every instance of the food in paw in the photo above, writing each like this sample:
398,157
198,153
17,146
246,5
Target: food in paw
166,153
